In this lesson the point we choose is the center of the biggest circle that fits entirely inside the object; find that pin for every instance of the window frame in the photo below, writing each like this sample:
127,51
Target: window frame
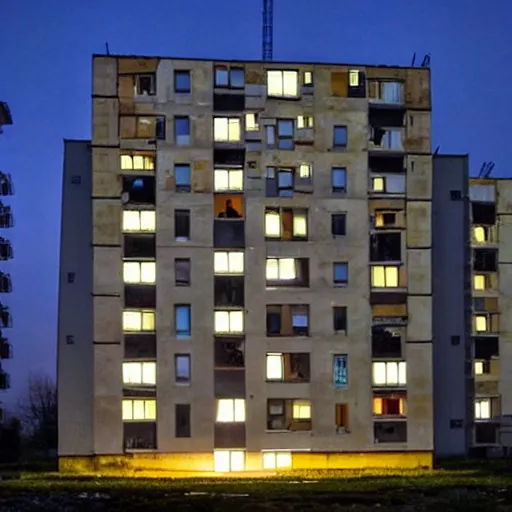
341,283
228,120
186,141
184,213
340,146
283,94
343,310
296,213
127,382
229,272
138,88
401,371
148,160
385,269
182,380
230,331
229,71
185,262
334,216
149,313
229,171
384,189
282,139
237,416
342,373
337,189
478,408
141,265
147,404
124,221
186,186
185,332
182,72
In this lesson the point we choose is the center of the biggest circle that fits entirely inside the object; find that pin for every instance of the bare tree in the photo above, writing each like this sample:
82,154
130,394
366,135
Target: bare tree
38,413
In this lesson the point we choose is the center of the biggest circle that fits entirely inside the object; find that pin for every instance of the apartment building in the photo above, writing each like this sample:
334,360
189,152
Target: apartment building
254,291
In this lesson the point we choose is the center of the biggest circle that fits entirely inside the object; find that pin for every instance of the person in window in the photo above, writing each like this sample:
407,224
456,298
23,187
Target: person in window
231,213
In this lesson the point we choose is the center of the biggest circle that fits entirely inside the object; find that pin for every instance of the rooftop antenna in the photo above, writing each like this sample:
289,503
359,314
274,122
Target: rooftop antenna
413,59
106,48
268,29
426,61
437,150
486,169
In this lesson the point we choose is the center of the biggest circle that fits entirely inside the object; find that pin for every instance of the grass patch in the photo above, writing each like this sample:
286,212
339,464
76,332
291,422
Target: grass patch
477,487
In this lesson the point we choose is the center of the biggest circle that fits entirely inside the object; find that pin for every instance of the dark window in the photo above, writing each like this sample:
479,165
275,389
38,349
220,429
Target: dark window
456,195
160,128
229,291
182,81
386,341
485,260
340,137
455,340
140,296
139,246
182,272
340,274
339,224
182,130
182,368
182,320
229,77
228,235
71,277
182,225
288,320
139,435
76,180
70,339
229,352
182,417
139,190
182,177
390,431
340,319
146,85
339,180
140,346
483,213
385,247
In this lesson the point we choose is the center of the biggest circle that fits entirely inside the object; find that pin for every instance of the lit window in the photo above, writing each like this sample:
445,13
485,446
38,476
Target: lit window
480,322
230,410
305,171
139,271
139,373
138,321
139,220
275,460
225,461
391,373
228,262
272,224
304,122
300,225
482,409
275,370
301,410
283,83
281,269
308,78
353,78
137,410
228,179
479,368
229,322
138,162
378,184
226,129
182,320
479,234
384,277
251,122
389,406
479,282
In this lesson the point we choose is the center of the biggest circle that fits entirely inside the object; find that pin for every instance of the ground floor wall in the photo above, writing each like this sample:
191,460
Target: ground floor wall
190,464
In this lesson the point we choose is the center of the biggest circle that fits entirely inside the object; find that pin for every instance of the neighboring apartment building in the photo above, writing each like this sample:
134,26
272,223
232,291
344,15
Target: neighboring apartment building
258,290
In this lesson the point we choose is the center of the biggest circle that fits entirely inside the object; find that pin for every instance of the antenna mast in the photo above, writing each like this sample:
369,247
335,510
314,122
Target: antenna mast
268,29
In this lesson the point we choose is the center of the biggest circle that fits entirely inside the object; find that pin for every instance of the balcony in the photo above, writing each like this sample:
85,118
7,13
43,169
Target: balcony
229,291
385,94
139,190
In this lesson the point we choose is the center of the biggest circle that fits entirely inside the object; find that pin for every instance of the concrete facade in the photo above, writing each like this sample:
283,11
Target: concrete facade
383,207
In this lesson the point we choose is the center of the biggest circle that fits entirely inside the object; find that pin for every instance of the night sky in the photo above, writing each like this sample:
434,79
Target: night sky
45,76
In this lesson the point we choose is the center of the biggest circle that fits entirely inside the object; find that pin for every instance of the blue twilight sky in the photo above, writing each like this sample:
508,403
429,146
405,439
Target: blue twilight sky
45,76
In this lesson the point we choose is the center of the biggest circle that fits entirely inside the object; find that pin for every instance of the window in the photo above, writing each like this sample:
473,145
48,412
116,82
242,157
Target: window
225,461
479,282
287,320
340,274
308,78
228,180
391,373
281,269
139,373
482,367
182,130
482,409
136,410
286,224
353,78
182,177
284,129
182,272
488,322
182,81
71,277
226,129
339,224
229,77
389,184
385,219
139,220
182,420
386,138
230,410
283,84
341,417
340,371
182,320
304,122
182,368
276,460
305,171
301,410
389,405
138,161
387,92
139,271
145,85
339,180
229,322
385,276
70,339
142,127
76,180
340,137
138,321
182,225
228,263
340,319
251,122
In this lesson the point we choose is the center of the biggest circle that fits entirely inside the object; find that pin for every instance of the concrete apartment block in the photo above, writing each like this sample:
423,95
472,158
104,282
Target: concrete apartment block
293,330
